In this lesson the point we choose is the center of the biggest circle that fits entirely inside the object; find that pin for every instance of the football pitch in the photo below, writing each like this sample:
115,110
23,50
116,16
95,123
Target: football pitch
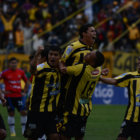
103,124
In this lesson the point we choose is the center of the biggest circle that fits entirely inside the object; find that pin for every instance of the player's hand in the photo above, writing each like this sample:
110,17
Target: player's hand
38,52
23,93
63,69
3,100
105,72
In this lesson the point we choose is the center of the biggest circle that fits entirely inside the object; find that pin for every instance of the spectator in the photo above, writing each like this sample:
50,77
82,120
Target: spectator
37,41
44,14
19,39
134,34
27,29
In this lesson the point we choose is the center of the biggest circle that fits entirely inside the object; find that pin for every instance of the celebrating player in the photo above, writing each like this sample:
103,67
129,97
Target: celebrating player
80,87
44,97
131,124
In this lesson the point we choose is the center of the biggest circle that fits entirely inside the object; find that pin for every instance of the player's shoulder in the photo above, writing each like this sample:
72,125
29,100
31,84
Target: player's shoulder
77,44
4,71
42,66
20,70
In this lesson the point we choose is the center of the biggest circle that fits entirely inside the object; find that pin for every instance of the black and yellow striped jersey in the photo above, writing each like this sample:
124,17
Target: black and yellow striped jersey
80,88
131,80
45,90
75,53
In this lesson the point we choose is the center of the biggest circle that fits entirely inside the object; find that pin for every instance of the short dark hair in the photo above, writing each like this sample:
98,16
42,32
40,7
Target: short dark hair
12,59
99,59
83,29
54,48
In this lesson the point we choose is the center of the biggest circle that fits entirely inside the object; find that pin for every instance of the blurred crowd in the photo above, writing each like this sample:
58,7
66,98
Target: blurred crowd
23,22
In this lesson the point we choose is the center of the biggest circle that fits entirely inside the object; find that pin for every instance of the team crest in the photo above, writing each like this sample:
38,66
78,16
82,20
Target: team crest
41,65
69,50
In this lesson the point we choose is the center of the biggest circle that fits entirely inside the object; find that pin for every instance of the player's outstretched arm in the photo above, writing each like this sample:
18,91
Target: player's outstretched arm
111,81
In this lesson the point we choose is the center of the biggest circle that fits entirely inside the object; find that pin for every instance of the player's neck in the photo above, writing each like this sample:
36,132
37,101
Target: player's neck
85,42
13,69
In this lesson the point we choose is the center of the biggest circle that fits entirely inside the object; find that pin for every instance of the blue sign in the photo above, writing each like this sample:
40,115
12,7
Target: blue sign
109,94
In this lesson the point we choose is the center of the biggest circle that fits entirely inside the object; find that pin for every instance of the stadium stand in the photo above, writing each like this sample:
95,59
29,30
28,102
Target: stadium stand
22,20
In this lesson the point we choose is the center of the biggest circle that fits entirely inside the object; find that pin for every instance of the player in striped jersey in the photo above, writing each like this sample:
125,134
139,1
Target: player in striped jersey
75,52
131,124
44,97
80,87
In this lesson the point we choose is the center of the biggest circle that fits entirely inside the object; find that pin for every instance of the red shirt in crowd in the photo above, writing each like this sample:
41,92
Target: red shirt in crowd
12,81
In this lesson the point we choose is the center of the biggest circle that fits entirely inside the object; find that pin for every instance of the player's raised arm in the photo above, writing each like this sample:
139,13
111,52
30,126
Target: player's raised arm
111,81
33,66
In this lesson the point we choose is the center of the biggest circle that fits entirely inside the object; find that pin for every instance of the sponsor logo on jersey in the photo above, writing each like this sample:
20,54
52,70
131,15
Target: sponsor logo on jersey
138,95
95,72
138,102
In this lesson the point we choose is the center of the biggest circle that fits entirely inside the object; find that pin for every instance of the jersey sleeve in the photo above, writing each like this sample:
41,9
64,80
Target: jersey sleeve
123,79
68,51
41,70
74,70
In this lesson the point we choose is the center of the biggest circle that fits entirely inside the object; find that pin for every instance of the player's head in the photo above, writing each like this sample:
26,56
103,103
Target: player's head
94,58
87,34
54,54
13,63
138,64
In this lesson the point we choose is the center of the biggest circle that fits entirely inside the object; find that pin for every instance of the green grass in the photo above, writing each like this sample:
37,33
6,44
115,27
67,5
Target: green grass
103,123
